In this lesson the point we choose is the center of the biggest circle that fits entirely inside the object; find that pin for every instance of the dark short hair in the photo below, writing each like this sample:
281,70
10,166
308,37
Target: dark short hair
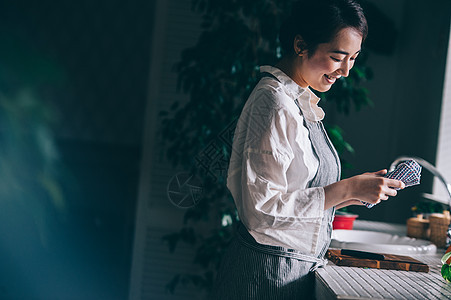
318,21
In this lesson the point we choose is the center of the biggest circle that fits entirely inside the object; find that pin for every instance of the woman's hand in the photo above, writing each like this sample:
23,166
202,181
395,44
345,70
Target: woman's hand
349,203
368,187
373,187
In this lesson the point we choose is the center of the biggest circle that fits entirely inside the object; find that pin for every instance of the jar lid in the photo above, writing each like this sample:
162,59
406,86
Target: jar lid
418,220
445,215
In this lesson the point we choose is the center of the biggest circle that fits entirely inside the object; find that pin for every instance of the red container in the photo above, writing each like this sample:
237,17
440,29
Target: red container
344,221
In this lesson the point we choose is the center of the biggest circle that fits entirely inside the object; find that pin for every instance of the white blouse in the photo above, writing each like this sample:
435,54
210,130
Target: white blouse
273,162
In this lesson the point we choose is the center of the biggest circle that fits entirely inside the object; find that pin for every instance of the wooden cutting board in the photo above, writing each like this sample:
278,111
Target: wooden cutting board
390,262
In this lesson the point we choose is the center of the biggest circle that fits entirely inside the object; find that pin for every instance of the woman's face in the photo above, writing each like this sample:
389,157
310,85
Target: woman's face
329,62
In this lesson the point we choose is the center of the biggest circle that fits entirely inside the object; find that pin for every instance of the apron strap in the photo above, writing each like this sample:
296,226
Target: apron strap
246,239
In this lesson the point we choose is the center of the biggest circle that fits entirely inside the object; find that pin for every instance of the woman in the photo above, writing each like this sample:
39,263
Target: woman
284,173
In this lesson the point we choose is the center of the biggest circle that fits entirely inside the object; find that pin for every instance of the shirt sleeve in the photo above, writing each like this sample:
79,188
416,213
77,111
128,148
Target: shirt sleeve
267,201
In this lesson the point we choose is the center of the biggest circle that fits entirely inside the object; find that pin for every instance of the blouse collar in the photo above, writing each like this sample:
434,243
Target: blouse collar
308,101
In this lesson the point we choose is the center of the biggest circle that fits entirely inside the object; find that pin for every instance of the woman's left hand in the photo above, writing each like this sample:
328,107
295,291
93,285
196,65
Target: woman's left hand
348,203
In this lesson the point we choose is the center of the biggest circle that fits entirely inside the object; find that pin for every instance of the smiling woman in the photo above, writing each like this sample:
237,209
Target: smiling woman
284,173
320,68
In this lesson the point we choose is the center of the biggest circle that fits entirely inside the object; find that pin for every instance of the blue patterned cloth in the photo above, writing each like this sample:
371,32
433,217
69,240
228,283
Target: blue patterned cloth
408,172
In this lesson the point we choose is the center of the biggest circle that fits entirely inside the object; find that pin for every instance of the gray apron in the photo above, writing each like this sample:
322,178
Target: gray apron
250,270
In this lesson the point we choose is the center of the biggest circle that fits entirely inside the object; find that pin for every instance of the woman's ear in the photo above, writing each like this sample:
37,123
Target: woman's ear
299,46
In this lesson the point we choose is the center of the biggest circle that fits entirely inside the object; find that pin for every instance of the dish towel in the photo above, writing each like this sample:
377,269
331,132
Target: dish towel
408,172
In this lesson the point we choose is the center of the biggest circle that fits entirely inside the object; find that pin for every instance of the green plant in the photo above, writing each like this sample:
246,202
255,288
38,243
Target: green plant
219,73
29,162
428,207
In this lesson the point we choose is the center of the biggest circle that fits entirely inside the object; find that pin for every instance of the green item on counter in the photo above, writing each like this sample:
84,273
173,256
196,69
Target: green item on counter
446,272
446,257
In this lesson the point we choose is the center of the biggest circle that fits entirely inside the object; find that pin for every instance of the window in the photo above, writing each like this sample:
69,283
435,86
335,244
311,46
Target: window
443,161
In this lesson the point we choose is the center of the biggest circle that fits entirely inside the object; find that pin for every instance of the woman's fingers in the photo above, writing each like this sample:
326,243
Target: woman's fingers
390,192
383,197
368,187
372,187
393,183
381,172
390,187
348,203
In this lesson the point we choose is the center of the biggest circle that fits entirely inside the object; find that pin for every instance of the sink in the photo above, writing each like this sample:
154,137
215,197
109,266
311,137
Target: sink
380,242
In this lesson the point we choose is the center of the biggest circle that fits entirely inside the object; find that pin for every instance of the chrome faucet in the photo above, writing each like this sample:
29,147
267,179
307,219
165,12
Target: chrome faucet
436,173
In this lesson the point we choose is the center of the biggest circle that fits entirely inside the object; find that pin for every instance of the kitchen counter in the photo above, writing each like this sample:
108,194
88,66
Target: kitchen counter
336,282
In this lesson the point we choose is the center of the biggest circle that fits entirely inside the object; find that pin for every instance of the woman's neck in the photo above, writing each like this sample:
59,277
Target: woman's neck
288,66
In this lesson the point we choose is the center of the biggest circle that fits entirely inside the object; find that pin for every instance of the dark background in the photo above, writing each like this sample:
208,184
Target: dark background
97,98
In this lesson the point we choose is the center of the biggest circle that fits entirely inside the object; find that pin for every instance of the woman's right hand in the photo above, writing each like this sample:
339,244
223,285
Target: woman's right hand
371,187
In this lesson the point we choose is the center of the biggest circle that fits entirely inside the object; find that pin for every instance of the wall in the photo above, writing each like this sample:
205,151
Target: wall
176,27
87,63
